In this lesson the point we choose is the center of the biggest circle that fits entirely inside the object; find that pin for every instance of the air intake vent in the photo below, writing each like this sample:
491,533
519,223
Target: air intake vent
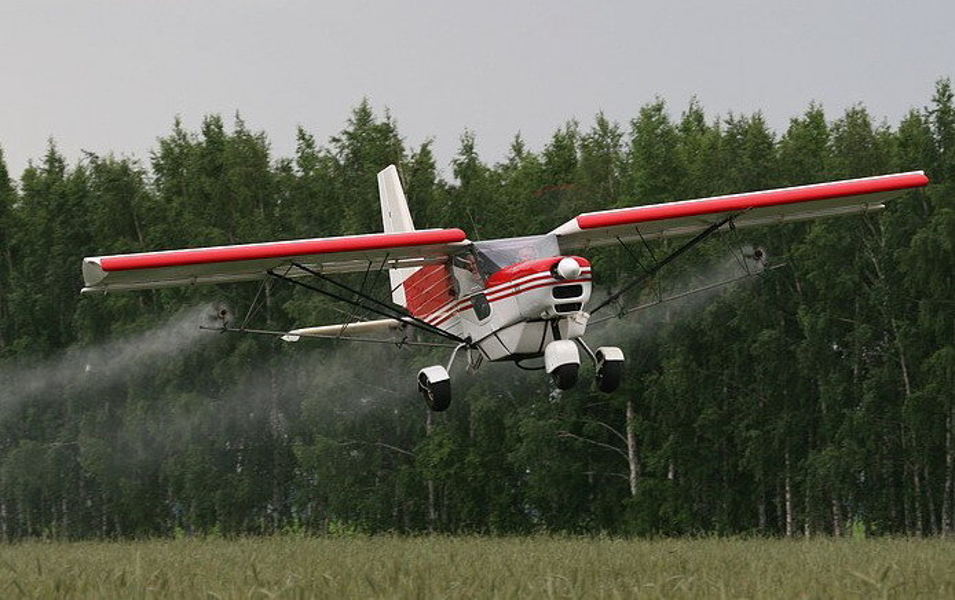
568,308
568,291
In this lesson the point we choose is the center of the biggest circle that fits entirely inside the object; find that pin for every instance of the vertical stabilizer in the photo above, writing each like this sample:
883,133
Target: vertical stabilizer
395,217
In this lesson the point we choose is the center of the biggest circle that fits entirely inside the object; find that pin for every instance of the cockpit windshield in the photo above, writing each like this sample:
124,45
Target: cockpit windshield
494,255
472,267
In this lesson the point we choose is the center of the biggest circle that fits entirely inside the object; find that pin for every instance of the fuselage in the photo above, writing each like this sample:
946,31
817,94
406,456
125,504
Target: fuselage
509,298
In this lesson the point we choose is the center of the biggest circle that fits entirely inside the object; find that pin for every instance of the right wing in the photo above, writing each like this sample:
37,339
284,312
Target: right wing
767,207
250,262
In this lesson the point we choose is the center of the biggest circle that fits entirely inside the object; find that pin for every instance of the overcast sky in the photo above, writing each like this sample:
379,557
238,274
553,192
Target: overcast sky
111,75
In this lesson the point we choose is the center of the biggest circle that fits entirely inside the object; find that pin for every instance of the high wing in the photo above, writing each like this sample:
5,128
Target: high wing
249,262
400,248
783,205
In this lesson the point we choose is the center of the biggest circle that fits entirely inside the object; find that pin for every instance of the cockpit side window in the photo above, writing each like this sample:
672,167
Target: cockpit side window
467,276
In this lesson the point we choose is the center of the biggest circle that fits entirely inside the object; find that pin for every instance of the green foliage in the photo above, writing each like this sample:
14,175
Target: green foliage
817,400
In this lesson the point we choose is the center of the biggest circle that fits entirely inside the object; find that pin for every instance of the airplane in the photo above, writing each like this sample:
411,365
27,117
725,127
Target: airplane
519,299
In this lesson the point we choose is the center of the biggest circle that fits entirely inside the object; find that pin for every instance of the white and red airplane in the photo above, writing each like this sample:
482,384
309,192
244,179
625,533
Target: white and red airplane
510,299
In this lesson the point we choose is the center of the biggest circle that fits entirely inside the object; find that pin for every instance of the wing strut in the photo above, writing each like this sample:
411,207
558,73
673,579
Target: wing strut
337,338
686,293
667,260
359,305
375,305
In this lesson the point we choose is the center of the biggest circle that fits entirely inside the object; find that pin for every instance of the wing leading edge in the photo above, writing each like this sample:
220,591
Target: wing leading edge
250,262
672,219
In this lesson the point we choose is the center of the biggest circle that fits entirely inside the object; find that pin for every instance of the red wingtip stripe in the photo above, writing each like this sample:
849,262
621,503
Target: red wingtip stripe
358,243
823,191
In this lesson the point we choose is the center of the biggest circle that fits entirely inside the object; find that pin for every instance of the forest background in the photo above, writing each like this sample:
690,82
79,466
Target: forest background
816,399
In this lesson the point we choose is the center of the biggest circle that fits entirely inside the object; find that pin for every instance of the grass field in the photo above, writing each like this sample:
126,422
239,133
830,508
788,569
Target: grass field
474,567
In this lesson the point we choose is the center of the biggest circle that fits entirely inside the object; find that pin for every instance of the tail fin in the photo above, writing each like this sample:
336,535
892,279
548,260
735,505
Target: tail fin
395,217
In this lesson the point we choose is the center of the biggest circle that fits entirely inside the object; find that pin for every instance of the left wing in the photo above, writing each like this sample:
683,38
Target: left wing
249,262
672,219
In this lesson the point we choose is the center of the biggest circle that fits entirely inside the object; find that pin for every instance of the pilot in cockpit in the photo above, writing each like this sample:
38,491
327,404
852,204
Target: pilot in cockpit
467,277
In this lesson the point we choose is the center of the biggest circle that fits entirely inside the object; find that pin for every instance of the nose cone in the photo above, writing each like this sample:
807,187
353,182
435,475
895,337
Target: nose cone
567,268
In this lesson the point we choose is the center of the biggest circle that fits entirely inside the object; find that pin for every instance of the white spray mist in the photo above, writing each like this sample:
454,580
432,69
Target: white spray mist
717,279
103,364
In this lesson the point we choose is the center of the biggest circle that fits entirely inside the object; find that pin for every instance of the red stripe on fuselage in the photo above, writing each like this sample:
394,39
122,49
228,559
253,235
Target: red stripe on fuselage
428,289
513,292
540,285
494,293
530,267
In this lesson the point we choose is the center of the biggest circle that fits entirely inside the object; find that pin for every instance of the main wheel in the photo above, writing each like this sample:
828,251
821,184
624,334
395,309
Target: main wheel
562,361
434,383
565,376
609,368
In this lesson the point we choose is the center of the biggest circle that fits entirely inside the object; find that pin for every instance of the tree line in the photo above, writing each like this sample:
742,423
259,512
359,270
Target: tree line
816,398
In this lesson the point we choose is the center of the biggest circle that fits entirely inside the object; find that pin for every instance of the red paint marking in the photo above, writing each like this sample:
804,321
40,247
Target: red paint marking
521,284
428,289
513,292
530,267
197,256
824,191
493,293
507,287
540,285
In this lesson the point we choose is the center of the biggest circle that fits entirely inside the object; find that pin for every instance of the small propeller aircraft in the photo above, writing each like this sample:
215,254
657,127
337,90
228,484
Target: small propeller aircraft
518,299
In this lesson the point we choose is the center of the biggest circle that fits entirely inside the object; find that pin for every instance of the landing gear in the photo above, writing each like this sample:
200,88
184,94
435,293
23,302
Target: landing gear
562,362
609,368
565,376
434,383
608,364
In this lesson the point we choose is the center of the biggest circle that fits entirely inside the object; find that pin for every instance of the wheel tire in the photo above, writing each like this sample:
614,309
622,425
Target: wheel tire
565,376
609,375
436,395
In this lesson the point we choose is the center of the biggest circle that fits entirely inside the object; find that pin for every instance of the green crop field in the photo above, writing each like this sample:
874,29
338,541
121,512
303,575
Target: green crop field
475,567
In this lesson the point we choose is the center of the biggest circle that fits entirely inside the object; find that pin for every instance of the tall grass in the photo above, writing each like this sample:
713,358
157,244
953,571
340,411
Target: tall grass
476,567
